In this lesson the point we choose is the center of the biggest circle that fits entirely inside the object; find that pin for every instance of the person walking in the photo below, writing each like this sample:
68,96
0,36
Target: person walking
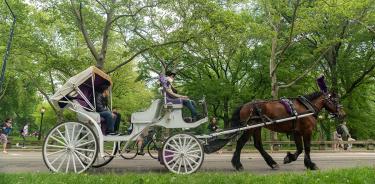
6,128
24,133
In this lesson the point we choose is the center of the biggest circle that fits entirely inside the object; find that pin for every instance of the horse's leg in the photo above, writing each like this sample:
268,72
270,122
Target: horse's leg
307,144
293,157
237,154
259,146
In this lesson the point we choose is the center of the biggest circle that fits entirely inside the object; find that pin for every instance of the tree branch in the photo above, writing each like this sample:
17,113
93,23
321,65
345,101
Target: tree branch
133,14
358,81
103,6
82,27
306,71
144,50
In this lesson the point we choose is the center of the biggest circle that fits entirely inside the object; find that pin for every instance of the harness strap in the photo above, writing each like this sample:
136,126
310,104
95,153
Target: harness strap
309,106
290,108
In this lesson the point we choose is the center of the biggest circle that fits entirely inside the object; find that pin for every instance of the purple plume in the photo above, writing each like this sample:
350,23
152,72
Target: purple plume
322,85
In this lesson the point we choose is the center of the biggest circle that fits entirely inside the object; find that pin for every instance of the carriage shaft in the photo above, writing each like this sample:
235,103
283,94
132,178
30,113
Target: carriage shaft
255,126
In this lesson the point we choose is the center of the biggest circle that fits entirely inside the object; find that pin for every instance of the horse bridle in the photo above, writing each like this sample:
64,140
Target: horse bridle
333,101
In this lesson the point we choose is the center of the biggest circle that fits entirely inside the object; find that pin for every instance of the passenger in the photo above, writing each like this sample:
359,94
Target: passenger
212,126
101,100
172,92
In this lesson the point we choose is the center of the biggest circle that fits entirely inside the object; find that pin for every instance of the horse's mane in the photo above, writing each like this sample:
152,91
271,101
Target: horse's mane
313,95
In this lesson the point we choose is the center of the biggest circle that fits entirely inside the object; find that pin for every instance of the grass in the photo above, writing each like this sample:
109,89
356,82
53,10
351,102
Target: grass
355,175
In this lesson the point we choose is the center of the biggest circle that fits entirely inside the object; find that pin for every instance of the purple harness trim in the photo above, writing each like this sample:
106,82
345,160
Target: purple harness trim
288,104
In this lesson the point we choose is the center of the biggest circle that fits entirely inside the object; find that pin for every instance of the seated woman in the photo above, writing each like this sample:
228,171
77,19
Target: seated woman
172,93
101,100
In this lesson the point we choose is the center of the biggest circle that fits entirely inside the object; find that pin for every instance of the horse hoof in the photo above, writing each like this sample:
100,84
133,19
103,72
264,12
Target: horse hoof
275,166
313,168
287,160
239,168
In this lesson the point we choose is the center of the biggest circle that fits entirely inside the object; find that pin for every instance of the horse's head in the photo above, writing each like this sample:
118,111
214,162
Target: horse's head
332,105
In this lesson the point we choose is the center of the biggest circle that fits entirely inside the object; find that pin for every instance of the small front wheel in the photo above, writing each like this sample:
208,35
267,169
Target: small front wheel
182,154
70,147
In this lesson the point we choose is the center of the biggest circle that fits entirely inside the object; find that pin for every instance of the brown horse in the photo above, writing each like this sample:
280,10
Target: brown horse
302,128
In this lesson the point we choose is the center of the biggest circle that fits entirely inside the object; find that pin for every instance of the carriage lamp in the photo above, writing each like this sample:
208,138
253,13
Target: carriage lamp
42,110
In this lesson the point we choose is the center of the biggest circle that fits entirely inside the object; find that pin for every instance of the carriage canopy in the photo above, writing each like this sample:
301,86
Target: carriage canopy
81,88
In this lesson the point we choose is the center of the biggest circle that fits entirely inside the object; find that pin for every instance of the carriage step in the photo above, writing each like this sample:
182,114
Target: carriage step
115,137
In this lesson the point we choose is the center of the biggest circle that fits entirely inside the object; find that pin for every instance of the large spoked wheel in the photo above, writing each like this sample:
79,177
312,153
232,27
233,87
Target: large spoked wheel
110,150
153,149
130,152
70,147
182,154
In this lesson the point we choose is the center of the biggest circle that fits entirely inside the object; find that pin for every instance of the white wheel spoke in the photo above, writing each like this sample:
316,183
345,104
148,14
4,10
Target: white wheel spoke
189,143
61,135
185,165
179,165
194,151
173,159
55,146
67,164
180,143
178,146
192,160
82,149
59,141
175,163
72,137
79,133
169,156
195,156
168,150
79,141
85,143
79,159
189,164
192,146
184,145
67,132
56,152
89,159
178,150
62,162
74,162
58,157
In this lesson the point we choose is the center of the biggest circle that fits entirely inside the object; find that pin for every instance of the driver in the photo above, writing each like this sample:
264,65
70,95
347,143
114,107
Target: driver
101,100
172,93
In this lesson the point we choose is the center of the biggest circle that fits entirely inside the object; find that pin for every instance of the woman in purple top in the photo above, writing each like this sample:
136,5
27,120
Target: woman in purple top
172,93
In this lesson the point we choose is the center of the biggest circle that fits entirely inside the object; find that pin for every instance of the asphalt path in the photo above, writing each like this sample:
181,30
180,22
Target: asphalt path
16,162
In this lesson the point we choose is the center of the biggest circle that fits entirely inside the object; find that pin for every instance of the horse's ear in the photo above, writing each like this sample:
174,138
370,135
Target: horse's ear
322,85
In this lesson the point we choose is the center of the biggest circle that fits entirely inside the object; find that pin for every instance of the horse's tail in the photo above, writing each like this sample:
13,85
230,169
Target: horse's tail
236,120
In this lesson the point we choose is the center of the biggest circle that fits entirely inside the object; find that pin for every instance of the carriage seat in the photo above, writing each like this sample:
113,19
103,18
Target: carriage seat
173,106
150,115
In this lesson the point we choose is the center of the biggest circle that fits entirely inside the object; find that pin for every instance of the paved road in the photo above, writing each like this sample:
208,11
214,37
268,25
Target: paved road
253,163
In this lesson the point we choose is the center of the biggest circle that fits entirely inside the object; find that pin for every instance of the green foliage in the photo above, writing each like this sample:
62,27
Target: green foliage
221,49
355,175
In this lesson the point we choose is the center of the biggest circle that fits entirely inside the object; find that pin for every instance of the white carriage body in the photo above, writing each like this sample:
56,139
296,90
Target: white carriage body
159,113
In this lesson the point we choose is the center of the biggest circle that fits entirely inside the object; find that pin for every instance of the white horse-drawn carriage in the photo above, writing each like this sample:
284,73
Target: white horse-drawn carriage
77,146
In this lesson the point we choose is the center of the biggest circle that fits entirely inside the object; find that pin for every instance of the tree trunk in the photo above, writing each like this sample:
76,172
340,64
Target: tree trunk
274,85
226,112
